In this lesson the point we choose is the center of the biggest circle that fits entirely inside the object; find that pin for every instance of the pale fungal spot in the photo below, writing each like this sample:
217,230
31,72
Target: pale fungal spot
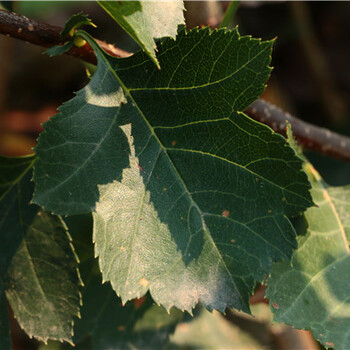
183,327
307,130
122,248
283,199
253,110
30,27
343,143
173,143
269,211
20,30
281,126
225,213
144,282
39,213
165,189
233,240
328,134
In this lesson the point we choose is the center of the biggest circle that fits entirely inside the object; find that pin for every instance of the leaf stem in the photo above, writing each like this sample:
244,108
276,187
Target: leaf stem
230,13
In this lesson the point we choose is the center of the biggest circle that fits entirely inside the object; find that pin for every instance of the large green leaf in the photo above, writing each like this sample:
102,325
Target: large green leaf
314,293
146,21
200,213
105,322
38,265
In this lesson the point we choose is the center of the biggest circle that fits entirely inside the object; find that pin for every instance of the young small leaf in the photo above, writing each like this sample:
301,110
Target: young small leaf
75,22
314,292
59,49
146,21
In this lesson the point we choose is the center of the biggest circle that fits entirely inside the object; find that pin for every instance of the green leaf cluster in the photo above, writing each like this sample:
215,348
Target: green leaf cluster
190,199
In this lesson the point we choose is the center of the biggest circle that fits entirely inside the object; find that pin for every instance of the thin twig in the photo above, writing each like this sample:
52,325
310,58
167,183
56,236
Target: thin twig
46,35
309,136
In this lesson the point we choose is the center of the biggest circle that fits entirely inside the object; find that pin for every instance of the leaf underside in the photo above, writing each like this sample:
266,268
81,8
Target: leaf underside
38,264
190,195
314,293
